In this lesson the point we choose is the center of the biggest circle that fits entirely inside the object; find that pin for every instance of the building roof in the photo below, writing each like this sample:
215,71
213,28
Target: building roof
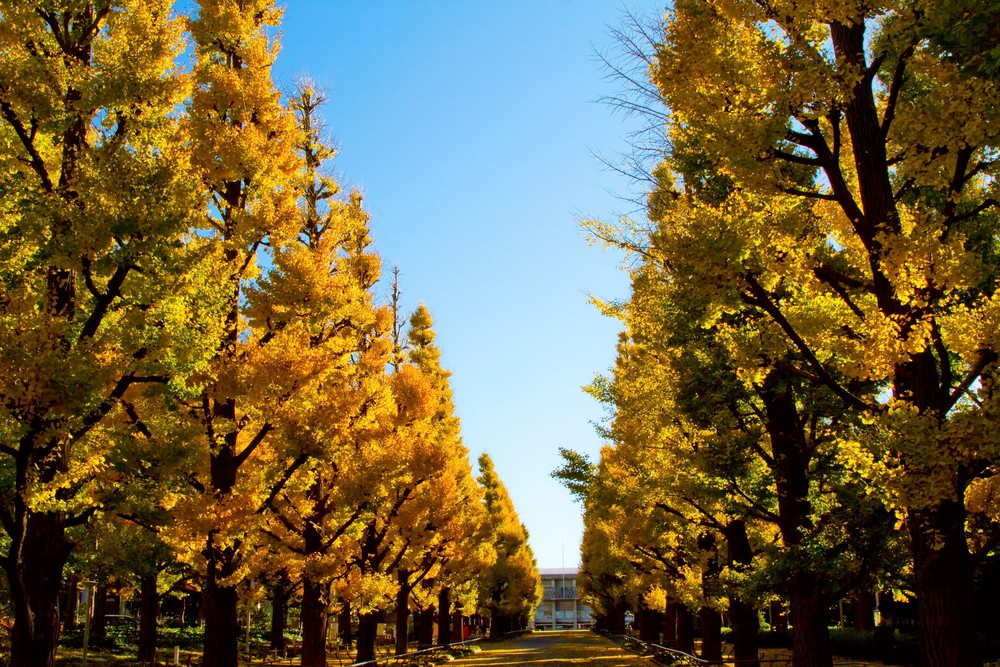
558,571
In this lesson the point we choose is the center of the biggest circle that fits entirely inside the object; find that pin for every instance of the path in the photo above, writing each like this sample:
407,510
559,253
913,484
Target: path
553,649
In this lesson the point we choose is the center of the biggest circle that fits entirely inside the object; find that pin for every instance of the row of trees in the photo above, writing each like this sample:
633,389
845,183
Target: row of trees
803,401
194,370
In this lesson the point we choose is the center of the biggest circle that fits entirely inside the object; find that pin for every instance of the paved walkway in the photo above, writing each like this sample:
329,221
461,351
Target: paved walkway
553,649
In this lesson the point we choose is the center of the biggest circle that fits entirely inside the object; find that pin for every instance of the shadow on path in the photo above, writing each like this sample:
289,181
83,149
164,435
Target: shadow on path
553,649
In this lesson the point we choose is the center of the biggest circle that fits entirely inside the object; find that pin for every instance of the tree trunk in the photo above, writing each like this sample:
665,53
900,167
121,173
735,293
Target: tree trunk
34,575
418,627
942,568
810,636
367,635
444,616
99,620
222,628
149,609
742,614
670,625
498,624
943,582
313,624
402,612
618,618
863,610
344,623
69,602
649,624
426,634
279,613
685,630
711,634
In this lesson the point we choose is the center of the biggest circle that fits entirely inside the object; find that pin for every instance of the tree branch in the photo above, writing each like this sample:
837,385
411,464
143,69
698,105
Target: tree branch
35,158
81,518
837,282
808,194
761,299
898,75
280,484
984,359
253,444
104,301
795,158
358,511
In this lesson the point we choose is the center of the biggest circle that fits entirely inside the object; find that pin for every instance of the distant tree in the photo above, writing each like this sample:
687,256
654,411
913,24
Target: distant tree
317,312
511,589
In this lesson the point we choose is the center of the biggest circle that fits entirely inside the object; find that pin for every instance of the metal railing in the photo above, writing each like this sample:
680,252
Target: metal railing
669,656
406,657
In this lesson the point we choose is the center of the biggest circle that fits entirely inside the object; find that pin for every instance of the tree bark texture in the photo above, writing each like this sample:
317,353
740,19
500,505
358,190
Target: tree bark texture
650,622
670,625
222,628
426,631
942,568
279,614
149,611
34,574
685,630
742,613
863,610
402,612
314,624
711,633
444,616
367,635
344,623
810,636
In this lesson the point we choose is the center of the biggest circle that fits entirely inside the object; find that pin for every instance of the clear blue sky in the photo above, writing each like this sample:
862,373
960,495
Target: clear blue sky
471,126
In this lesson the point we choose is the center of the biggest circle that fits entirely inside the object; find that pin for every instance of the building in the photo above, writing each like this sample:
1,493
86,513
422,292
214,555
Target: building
561,608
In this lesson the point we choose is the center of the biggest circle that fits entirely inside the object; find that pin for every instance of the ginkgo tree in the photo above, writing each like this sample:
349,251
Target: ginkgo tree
851,128
97,196
446,541
856,224
423,516
704,459
511,589
316,303
190,345
242,140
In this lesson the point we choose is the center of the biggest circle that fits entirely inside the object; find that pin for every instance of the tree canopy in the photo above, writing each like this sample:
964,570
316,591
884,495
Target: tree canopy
821,251
199,382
